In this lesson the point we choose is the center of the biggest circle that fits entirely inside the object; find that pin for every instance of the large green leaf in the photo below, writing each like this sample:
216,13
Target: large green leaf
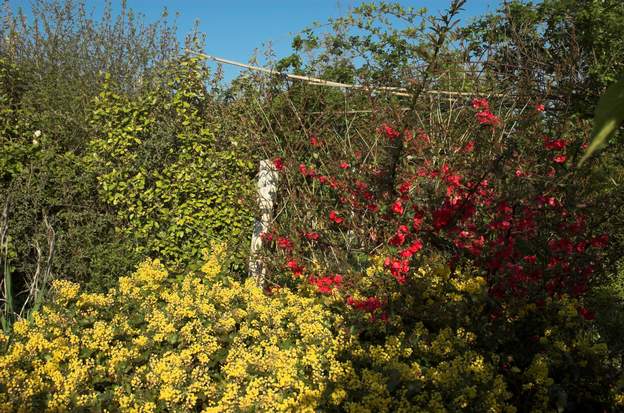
608,117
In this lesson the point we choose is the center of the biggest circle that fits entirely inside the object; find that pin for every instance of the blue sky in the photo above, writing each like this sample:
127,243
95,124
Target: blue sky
235,28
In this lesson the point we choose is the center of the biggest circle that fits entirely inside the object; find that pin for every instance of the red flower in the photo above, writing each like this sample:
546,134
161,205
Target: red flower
560,159
397,240
531,259
601,241
418,220
415,246
324,285
278,163
294,267
487,118
371,304
312,236
586,314
314,141
266,236
480,104
554,145
333,216
390,132
405,187
284,243
344,165
397,207
469,147
372,207
539,107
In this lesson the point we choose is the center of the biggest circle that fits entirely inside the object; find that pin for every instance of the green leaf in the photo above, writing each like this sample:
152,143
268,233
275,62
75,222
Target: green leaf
608,117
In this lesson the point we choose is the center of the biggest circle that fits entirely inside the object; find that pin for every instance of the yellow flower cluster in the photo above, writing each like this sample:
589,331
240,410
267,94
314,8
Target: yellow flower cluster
153,344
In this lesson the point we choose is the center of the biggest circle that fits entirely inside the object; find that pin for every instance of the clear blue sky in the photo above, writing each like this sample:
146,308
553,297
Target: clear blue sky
234,28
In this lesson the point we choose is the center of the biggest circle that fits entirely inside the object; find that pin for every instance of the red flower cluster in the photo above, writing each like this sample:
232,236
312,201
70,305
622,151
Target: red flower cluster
483,115
279,164
295,268
311,236
333,216
325,285
390,132
285,243
370,304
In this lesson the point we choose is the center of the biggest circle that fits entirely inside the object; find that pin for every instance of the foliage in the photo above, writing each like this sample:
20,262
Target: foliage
207,342
608,118
51,61
568,50
172,182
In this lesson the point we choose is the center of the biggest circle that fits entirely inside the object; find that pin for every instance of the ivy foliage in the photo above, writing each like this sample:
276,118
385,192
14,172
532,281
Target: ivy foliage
173,183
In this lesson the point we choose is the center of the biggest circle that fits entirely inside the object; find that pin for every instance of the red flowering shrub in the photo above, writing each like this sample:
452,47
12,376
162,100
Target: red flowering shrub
513,215
493,192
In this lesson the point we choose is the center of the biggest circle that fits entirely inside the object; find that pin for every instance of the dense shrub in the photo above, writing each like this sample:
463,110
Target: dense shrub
153,344
51,62
161,165
207,342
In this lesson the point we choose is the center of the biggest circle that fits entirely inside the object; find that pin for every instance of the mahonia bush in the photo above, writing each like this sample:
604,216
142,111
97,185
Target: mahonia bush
206,342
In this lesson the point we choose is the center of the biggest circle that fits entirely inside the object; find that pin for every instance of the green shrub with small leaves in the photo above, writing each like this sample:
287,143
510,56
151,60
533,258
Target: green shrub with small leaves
172,181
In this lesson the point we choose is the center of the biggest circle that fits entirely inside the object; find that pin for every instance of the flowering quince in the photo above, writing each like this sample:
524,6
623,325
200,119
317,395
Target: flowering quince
398,269
333,216
412,249
560,159
555,144
312,236
284,243
405,187
586,314
487,118
469,147
397,240
480,104
325,285
531,259
539,107
370,304
397,207
303,170
279,164
344,165
417,220
600,242
294,267
314,141
390,132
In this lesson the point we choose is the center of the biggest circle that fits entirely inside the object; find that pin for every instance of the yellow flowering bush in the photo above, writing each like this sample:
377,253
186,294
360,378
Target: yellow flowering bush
204,342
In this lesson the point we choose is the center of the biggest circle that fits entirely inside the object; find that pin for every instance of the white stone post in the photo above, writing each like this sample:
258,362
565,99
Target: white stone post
267,190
